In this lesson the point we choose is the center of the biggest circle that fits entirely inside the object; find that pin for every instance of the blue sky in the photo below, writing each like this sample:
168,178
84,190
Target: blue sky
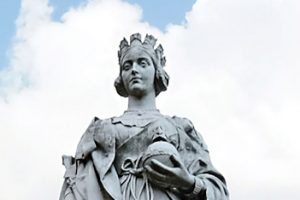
156,12
9,10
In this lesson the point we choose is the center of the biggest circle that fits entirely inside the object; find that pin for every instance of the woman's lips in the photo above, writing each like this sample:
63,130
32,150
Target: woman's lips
135,79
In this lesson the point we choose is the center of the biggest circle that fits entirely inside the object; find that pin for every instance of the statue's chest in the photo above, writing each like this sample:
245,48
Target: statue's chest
133,141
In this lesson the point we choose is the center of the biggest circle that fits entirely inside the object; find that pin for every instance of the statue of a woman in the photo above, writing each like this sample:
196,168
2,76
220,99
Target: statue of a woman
142,154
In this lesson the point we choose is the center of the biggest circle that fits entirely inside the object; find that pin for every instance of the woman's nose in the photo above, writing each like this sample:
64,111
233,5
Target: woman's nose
134,69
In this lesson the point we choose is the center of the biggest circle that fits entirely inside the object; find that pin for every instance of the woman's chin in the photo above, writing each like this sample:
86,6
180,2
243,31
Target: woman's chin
137,92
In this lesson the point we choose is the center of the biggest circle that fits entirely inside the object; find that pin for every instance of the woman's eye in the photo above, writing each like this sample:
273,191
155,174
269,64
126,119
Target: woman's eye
126,66
143,63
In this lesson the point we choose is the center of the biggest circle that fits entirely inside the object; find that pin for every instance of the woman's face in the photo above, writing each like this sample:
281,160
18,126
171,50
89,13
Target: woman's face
138,73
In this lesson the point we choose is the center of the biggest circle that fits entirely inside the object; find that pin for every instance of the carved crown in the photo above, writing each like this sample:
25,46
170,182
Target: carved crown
148,45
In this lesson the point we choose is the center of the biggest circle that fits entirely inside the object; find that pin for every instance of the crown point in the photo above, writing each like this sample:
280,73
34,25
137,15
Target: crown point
135,36
163,61
159,49
150,40
123,43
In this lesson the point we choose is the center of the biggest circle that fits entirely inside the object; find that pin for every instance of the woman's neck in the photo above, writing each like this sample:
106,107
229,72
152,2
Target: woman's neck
146,102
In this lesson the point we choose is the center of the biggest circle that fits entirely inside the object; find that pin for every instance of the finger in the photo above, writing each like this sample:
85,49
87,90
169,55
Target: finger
156,179
154,175
161,168
159,183
176,161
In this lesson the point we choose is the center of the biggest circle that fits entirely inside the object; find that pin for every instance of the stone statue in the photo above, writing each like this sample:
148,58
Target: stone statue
142,154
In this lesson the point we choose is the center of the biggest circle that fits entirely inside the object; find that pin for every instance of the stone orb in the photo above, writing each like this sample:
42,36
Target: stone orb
160,151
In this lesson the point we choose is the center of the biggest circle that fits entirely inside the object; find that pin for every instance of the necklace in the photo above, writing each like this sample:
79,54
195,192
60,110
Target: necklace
142,111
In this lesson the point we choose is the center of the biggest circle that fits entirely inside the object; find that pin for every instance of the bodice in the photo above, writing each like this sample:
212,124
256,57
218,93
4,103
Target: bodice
135,132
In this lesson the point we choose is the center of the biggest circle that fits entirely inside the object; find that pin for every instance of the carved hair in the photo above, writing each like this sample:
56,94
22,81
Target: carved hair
161,79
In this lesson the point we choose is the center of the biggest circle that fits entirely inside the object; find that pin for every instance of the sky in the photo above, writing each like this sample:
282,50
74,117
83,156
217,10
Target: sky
154,12
234,68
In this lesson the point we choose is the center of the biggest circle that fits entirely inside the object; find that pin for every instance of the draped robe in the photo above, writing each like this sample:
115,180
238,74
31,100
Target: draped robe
95,172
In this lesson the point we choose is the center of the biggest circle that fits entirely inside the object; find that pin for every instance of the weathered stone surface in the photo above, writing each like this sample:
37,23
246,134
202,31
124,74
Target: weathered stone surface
142,154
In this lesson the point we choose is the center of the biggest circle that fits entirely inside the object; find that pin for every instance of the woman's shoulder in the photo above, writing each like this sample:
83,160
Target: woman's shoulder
95,129
181,122
187,129
98,123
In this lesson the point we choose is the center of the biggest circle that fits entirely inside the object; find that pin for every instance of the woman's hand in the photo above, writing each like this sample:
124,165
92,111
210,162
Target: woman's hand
170,177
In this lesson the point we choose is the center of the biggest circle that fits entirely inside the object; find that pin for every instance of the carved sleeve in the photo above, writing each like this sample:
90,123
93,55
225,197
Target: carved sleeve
209,183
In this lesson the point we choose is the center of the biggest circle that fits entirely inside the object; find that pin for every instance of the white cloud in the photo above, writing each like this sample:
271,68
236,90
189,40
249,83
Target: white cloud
243,65
234,73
